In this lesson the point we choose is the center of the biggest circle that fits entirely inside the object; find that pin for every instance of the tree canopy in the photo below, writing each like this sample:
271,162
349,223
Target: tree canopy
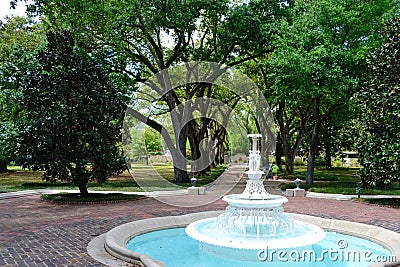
142,38
309,57
318,64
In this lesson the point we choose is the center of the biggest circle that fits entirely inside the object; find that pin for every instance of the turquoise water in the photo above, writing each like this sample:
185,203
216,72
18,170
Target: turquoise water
176,249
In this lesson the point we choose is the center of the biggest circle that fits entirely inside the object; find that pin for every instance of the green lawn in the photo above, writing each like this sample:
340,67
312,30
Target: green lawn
338,181
18,179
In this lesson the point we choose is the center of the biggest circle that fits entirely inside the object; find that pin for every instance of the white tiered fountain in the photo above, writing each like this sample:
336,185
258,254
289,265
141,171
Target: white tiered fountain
253,221
253,231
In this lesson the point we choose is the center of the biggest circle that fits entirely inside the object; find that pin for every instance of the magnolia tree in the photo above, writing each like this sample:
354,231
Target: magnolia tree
379,147
73,116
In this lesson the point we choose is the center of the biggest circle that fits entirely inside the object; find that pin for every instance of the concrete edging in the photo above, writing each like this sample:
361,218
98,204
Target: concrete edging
116,239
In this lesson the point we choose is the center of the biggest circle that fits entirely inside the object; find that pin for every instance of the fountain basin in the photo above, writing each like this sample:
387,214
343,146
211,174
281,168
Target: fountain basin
115,240
244,248
176,249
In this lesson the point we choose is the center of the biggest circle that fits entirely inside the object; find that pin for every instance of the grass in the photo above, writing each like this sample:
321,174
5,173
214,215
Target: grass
334,174
18,179
338,181
123,182
390,202
75,198
335,181
209,178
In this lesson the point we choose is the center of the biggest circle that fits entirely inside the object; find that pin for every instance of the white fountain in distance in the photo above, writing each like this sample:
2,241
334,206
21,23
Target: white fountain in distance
254,220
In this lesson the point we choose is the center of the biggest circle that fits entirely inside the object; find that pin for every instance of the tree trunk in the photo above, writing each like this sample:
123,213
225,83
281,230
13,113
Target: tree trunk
219,159
180,176
203,155
289,162
219,146
197,160
319,119
312,152
194,146
3,166
286,127
83,190
279,152
180,171
284,140
328,155
311,163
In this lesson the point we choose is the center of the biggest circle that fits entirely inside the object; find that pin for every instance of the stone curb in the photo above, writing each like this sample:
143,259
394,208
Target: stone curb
51,191
345,197
19,194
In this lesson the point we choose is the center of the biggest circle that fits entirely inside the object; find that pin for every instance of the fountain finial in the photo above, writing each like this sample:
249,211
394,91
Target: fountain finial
254,187
254,154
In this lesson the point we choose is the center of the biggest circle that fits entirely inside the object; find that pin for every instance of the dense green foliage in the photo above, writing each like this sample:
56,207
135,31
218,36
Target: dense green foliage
141,38
318,64
338,181
73,116
309,57
19,39
380,144
153,142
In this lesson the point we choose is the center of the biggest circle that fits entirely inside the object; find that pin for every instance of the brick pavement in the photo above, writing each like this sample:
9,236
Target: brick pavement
36,233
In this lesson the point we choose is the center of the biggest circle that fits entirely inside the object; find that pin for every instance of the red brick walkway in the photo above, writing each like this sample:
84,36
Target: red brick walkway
35,233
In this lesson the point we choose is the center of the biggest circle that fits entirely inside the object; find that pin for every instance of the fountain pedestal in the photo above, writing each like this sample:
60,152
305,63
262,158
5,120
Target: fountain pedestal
254,187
